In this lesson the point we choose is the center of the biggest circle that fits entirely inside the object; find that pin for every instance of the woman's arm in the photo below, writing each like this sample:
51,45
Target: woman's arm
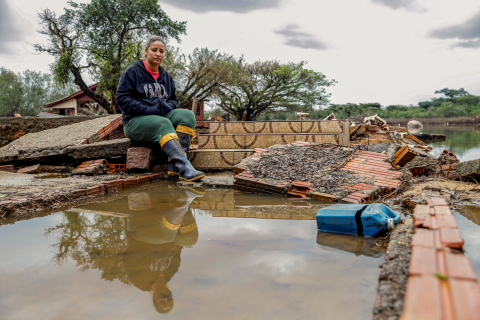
125,101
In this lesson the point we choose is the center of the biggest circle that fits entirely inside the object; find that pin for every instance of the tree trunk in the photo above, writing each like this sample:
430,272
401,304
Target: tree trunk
78,80
239,115
248,115
113,105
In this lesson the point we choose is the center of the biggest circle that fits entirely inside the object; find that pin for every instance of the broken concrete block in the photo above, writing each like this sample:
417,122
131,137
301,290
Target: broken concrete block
448,157
139,159
392,150
32,169
92,167
57,169
469,169
372,128
103,149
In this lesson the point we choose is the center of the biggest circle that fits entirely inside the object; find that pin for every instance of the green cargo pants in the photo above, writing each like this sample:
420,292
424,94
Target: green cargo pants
153,128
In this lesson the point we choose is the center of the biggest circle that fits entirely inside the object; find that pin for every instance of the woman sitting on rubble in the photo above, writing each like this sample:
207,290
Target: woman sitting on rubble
146,96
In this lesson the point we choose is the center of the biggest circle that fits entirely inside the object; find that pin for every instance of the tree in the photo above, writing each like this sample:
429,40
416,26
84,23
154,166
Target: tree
270,85
55,92
92,242
200,74
102,37
452,93
24,93
11,93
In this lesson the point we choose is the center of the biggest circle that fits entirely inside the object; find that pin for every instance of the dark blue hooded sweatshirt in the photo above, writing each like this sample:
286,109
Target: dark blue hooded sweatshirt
139,94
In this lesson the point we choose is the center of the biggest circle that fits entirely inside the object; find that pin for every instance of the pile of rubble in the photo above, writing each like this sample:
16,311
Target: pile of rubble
90,147
321,171
375,130
350,174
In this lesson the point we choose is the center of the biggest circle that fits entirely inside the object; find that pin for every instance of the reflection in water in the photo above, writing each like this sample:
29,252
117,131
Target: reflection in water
472,213
464,140
357,245
143,250
155,241
138,238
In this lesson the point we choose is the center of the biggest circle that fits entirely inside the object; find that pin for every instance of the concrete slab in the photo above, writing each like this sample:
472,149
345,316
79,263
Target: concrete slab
53,141
102,149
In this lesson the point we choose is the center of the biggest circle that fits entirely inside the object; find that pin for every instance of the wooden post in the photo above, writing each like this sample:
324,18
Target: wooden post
194,105
345,138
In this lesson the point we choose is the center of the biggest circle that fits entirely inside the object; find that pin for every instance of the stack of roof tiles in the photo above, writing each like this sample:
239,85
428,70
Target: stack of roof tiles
370,165
442,283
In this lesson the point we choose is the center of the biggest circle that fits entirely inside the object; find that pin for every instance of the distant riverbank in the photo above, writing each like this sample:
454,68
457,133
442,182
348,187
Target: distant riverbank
437,121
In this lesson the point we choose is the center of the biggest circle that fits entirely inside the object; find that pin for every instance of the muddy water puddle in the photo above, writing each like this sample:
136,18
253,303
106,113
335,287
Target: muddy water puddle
468,219
179,253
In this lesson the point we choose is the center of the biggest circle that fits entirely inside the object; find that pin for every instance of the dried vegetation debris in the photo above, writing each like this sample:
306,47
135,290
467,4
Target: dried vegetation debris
314,163
420,161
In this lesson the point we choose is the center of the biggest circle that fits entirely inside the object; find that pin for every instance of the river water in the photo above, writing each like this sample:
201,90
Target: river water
464,140
178,253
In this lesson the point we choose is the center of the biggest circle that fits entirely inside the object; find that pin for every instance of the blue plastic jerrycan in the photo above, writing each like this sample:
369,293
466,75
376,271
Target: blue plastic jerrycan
370,220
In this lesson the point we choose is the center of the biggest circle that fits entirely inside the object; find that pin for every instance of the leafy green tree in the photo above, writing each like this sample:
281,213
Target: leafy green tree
452,93
102,37
270,85
56,92
26,93
11,93
200,74
93,243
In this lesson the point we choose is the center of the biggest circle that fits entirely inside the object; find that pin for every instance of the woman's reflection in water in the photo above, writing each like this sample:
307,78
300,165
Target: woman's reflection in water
160,228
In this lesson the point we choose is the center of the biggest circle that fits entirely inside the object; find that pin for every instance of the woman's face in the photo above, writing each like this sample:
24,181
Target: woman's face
156,53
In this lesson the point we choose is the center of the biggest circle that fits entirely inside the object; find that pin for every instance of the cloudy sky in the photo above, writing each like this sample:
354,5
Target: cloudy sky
386,51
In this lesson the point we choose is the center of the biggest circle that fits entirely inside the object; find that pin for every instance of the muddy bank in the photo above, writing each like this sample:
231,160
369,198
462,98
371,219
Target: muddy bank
24,193
12,128
393,274
418,190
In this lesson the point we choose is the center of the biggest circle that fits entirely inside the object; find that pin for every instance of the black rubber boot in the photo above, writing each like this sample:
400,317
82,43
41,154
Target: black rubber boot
185,143
178,159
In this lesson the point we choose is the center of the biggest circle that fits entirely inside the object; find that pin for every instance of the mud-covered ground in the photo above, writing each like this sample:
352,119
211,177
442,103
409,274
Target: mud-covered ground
418,190
393,274
17,186
24,193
